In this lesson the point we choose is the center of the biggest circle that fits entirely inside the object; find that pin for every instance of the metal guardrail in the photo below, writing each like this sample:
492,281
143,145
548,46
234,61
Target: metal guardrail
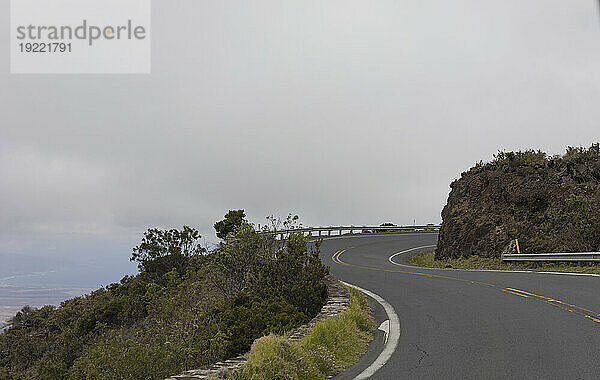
308,231
554,257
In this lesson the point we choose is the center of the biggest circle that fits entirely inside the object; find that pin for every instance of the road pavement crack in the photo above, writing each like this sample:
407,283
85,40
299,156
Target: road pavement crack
422,353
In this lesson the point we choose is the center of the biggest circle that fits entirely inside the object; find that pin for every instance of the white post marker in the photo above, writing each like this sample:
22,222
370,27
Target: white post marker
392,337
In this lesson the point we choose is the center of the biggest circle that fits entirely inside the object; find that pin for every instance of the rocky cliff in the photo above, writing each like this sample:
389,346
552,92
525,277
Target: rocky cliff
549,203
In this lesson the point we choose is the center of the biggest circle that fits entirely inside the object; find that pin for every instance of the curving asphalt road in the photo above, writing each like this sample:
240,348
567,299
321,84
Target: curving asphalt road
458,324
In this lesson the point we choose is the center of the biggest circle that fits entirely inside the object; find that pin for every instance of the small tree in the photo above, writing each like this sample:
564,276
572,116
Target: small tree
232,222
172,243
256,262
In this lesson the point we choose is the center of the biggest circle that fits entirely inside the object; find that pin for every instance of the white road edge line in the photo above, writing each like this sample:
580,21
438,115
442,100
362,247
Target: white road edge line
408,250
393,336
390,259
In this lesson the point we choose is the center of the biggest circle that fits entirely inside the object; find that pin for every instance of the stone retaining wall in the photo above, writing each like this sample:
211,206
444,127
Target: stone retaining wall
338,300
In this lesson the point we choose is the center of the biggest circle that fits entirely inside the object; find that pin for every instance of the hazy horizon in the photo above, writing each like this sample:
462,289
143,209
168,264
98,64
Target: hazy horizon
341,112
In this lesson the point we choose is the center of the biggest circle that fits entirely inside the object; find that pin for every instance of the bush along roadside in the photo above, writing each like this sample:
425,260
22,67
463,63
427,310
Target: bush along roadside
187,307
427,259
332,341
330,346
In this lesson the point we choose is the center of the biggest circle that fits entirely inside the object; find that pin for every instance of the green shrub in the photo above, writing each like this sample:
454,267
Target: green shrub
117,357
295,273
332,345
246,317
513,160
185,309
334,338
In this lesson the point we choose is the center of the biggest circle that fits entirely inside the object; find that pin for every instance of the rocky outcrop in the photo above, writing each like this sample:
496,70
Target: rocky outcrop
338,300
551,204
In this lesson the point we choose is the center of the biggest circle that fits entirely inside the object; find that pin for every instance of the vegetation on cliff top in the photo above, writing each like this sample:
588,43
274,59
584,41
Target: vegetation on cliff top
186,308
549,203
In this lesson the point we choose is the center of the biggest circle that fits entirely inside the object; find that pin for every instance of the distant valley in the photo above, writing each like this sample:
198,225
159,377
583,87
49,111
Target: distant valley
13,298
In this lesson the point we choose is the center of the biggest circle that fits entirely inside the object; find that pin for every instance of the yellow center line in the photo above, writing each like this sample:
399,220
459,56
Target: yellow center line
590,314
593,319
550,300
522,291
515,293
336,256
333,256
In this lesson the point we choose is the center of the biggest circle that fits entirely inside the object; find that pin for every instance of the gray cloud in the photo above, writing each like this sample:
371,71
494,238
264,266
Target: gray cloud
344,112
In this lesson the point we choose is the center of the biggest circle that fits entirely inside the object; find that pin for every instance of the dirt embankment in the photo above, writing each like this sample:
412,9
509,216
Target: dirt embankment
551,204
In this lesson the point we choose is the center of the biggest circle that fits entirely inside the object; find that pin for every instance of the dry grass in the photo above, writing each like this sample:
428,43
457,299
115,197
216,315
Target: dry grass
426,259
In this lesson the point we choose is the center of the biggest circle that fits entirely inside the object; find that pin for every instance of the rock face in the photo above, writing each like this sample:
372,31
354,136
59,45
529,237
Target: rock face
551,204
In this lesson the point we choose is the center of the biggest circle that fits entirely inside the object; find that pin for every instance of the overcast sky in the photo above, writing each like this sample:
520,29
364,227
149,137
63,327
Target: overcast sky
344,112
